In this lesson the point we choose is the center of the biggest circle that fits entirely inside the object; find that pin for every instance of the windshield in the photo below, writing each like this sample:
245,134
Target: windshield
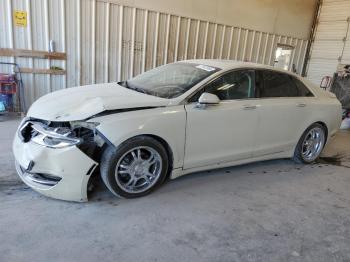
170,80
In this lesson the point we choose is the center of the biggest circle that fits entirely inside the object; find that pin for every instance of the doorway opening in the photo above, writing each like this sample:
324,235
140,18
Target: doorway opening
283,56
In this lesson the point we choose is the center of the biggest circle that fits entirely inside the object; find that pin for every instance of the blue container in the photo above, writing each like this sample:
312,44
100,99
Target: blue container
6,101
2,107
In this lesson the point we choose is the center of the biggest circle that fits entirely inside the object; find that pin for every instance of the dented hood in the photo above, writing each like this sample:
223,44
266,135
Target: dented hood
79,103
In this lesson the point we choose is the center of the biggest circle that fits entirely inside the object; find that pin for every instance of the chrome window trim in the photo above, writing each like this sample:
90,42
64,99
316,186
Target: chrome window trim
185,101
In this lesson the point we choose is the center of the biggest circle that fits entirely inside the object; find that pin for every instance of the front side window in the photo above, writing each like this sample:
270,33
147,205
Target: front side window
233,85
170,81
276,84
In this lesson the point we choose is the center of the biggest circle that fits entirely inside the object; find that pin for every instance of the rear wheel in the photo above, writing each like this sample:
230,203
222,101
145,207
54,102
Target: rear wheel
136,168
310,144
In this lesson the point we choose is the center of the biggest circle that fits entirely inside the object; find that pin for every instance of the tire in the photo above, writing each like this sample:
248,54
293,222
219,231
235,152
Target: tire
136,154
300,153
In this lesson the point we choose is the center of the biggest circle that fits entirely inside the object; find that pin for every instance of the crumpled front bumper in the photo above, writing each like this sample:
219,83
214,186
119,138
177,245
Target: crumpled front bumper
58,173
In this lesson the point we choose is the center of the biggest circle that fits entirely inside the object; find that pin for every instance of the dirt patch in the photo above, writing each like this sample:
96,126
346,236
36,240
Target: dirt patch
337,160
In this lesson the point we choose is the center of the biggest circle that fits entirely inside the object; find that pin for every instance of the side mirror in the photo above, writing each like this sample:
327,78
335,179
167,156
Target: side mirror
208,99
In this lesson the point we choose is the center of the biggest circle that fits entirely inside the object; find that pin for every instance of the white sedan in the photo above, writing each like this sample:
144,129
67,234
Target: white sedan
173,120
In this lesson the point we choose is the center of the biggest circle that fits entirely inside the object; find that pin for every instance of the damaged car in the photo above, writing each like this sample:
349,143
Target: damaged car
173,120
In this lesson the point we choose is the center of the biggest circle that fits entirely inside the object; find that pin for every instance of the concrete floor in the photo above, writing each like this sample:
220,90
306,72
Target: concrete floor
268,211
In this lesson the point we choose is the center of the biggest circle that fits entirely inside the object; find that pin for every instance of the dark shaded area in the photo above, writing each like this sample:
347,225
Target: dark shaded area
336,160
341,88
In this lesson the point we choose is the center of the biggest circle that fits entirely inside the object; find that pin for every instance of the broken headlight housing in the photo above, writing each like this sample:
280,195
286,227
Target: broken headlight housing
57,134
42,134
55,140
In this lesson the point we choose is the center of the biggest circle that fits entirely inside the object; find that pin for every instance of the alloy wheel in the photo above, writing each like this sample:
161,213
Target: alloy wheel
138,169
313,144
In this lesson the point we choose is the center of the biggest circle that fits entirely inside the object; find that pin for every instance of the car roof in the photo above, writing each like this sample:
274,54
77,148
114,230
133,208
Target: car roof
233,64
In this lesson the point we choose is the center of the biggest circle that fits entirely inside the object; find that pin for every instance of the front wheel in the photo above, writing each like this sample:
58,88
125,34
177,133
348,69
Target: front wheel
135,168
310,144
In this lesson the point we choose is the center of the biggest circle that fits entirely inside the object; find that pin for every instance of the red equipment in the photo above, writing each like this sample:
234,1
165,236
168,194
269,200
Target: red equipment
8,84
11,85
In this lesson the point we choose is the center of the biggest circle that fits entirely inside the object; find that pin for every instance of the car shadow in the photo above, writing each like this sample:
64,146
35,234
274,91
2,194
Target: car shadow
100,193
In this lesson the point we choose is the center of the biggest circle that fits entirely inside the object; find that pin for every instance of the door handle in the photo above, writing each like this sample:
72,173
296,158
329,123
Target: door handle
301,105
249,107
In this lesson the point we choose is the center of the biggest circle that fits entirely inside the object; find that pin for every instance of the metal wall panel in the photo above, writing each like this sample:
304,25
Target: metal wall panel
88,42
335,10
331,30
320,68
73,41
346,51
331,42
114,44
105,41
327,49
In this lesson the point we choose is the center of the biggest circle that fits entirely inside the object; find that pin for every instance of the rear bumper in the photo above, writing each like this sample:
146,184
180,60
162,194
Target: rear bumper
58,173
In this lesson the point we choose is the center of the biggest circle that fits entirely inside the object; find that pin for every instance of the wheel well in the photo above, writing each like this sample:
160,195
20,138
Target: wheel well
167,148
159,139
325,128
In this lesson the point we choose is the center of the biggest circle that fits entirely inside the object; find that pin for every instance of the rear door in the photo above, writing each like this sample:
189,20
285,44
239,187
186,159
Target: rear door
282,114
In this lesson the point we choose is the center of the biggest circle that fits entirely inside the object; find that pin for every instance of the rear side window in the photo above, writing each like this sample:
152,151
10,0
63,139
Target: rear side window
302,89
277,84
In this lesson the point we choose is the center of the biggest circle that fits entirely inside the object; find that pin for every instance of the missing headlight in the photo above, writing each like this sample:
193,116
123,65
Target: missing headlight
90,144
45,135
63,134
54,137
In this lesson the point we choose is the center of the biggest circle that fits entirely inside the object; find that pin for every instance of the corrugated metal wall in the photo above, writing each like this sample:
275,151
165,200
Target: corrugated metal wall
108,42
331,44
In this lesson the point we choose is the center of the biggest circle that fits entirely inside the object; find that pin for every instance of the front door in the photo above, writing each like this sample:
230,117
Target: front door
224,132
